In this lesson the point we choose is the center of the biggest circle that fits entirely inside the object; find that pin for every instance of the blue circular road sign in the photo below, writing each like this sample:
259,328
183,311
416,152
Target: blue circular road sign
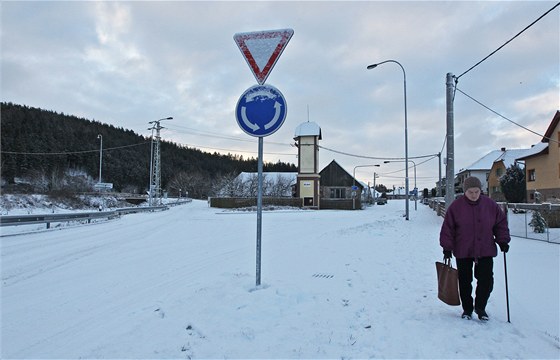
261,110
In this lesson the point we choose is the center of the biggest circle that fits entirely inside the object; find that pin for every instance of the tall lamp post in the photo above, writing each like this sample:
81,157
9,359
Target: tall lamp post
354,182
375,176
100,137
415,188
373,66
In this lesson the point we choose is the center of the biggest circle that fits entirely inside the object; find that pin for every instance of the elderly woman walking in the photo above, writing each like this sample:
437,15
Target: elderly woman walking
473,225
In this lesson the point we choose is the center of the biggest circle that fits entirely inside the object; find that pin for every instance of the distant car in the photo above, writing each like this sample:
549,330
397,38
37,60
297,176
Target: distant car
381,201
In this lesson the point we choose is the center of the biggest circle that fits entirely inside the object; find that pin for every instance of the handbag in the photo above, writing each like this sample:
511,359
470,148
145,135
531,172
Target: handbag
448,283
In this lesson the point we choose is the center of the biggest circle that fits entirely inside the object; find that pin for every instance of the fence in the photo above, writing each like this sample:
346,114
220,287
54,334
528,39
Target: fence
519,217
241,202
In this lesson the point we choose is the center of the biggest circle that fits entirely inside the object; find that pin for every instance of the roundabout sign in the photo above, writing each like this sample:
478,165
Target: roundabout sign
261,110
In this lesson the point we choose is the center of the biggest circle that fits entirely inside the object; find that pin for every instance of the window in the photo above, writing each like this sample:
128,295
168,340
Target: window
338,193
499,172
531,175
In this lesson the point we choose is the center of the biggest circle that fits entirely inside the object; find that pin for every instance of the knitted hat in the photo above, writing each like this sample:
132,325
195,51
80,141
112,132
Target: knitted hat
471,182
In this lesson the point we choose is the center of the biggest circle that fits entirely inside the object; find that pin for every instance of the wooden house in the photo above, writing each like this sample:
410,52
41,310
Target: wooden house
337,185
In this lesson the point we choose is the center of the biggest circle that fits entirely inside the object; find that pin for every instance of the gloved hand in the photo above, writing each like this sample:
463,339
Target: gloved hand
504,247
447,254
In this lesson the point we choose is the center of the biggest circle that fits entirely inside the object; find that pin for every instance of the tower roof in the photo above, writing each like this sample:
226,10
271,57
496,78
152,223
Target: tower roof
308,128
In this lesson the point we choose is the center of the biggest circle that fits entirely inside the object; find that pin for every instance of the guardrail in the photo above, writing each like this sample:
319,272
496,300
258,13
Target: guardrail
12,220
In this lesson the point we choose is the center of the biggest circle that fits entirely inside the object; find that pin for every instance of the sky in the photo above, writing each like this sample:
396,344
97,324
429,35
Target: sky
334,285
129,63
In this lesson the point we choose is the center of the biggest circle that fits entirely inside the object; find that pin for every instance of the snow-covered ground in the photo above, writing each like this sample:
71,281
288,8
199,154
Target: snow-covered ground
335,284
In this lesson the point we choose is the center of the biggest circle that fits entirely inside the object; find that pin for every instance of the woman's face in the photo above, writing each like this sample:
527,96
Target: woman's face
472,193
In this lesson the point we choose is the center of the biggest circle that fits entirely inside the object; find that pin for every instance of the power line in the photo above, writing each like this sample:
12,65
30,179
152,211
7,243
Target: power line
192,131
503,117
234,150
373,157
70,152
507,42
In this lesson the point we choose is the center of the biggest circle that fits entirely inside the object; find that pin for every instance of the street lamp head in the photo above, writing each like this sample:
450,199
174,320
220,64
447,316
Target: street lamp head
386,162
169,118
372,66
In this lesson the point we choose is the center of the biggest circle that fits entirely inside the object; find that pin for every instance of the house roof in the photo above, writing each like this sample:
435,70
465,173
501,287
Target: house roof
542,147
535,150
485,162
308,128
553,124
334,168
509,156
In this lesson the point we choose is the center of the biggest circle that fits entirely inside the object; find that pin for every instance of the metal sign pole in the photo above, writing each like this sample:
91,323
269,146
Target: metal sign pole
261,110
259,209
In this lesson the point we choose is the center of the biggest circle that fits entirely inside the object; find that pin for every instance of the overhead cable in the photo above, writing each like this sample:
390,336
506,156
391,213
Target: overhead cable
71,152
507,42
374,157
503,117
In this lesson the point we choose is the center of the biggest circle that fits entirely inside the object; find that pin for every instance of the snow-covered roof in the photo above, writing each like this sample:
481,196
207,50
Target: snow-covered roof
534,150
308,128
508,156
485,162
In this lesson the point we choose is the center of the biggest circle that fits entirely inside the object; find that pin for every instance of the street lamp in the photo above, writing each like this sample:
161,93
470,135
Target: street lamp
415,188
100,137
354,182
375,176
373,66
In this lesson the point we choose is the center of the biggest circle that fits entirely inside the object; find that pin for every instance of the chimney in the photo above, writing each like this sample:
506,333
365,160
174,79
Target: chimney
503,149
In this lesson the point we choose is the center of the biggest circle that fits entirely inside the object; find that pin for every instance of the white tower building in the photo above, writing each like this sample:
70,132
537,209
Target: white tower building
307,136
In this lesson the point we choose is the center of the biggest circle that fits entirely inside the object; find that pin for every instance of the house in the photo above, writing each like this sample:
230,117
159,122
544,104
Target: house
480,169
507,158
338,184
542,166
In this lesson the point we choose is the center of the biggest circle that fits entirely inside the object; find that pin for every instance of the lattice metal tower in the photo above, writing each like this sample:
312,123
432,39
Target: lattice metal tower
155,164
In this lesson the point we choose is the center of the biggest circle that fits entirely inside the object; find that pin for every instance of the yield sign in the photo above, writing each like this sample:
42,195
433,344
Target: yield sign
262,49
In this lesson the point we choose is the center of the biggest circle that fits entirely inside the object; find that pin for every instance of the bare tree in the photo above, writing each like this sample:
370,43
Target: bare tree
282,186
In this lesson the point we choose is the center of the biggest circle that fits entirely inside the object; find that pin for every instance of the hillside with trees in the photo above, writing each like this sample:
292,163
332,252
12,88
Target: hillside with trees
50,151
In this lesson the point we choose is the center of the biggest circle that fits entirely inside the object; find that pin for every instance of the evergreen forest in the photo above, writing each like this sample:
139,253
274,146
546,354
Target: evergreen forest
53,151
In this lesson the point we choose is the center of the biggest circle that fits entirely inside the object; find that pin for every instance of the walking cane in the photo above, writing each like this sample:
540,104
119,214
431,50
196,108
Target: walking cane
507,296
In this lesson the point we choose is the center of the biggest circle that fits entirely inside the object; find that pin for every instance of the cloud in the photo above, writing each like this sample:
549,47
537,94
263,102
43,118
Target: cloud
128,63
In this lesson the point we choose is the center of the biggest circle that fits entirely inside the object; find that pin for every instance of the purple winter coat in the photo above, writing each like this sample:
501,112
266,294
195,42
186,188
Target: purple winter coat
472,229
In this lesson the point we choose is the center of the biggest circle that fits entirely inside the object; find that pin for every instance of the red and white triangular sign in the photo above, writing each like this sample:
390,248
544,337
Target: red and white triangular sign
262,49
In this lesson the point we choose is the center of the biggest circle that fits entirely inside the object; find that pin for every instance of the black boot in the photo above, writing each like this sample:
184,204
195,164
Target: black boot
466,315
482,315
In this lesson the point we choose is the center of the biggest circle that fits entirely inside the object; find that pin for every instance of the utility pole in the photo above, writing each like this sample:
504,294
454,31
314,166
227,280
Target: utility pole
438,193
155,164
450,163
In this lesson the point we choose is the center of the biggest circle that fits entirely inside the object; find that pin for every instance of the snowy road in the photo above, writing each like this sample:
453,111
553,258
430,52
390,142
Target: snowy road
181,284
